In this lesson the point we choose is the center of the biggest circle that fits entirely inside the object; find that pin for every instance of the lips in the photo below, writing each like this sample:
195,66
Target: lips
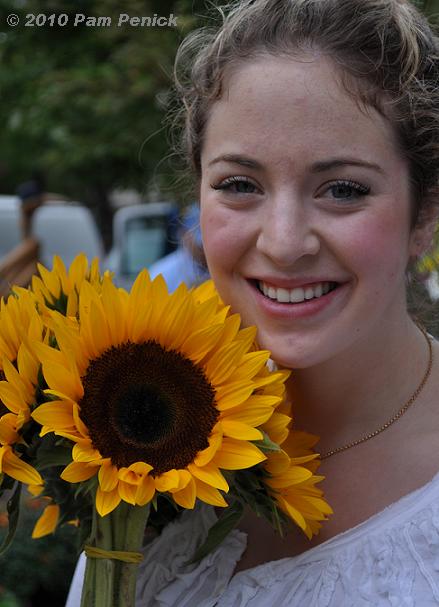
279,309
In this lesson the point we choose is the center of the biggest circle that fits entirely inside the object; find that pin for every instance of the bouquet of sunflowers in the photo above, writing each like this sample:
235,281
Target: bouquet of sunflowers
123,409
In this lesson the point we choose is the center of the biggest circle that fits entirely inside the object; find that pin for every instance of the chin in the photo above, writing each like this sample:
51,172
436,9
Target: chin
291,357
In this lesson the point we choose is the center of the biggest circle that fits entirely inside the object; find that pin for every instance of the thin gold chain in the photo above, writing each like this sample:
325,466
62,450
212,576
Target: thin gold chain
397,415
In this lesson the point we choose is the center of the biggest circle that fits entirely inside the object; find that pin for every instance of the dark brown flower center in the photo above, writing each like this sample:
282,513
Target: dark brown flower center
144,403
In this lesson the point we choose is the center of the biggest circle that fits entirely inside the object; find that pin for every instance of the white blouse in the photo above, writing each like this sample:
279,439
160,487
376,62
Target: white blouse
390,560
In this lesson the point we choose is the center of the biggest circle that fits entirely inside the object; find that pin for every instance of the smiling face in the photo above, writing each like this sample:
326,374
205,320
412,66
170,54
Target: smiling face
305,210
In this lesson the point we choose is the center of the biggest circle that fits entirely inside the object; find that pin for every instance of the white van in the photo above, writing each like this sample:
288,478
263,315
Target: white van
62,228
66,229
140,237
10,229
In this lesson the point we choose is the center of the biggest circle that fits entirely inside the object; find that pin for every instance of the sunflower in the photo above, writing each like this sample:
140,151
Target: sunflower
292,483
20,326
58,288
159,393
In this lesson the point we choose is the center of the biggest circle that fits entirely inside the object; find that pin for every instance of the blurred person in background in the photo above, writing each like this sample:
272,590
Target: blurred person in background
185,264
32,195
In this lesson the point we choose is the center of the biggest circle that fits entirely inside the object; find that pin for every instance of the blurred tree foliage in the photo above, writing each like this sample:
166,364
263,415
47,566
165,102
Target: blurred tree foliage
84,105
430,9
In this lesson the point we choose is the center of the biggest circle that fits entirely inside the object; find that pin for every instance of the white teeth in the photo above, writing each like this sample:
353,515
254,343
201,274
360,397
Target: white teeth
283,295
296,295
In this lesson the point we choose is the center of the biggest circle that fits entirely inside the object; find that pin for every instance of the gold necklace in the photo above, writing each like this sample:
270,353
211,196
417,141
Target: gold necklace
397,415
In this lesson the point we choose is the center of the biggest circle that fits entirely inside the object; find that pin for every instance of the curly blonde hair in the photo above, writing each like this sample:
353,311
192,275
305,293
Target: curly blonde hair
388,56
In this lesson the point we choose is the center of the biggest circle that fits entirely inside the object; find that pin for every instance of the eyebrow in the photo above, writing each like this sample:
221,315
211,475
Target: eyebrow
334,163
237,159
317,167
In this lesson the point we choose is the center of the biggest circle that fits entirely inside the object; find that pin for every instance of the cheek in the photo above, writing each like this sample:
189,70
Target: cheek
378,248
222,238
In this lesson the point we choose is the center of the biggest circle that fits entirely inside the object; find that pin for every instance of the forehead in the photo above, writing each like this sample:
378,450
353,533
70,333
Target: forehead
295,107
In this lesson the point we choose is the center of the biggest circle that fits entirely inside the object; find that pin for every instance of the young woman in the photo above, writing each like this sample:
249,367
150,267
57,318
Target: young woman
313,130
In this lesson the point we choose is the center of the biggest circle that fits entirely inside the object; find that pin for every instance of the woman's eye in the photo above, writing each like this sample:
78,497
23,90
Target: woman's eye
237,185
347,190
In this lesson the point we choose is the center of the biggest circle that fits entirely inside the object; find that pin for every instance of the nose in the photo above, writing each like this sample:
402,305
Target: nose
287,232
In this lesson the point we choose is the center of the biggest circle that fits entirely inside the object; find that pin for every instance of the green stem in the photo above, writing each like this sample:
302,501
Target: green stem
108,582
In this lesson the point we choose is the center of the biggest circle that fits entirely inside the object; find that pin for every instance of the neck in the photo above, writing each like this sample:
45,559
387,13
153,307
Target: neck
361,388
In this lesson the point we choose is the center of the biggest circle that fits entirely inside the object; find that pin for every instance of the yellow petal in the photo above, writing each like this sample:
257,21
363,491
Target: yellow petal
186,497
101,331
231,328
140,292
251,364
50,279
277,463
128,476
277,427
198,344
127,492
236,455
145,491
276,376
224,362
78,269
292,512
8,434
15,467
61,379
107,501
11,397
27,365
140,468
23,387
47,522
76,472
84,452
292,476
48,355
249,414
35,490
209,474
233,394
310,507
206,290
167,481
204,457
56,414
240,431
209,494
176,321
108,477
6,349
82,428
116,317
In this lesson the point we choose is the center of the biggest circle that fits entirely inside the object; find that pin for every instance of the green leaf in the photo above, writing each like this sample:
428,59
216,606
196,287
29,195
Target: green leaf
266,445
60,456
13,508
219,531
